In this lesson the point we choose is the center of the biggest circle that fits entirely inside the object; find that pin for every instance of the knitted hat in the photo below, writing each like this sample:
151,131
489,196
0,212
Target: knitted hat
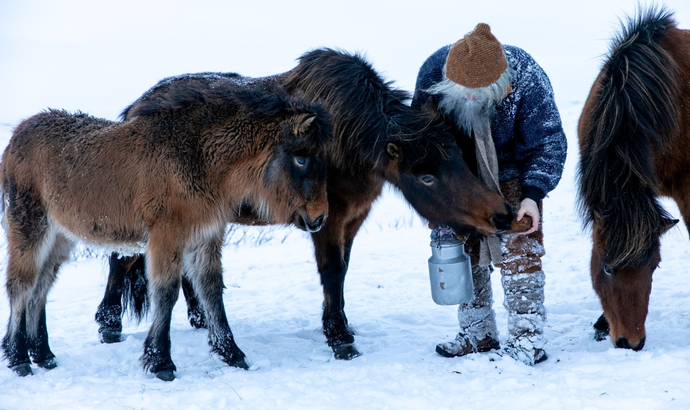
476,60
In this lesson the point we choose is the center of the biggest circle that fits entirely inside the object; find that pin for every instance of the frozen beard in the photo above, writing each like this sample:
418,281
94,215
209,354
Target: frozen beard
472,108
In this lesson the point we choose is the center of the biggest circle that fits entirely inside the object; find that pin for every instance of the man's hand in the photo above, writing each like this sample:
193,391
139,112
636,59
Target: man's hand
529,207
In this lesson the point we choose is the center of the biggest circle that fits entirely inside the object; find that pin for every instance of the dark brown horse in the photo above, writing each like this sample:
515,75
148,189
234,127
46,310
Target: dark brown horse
634,137
377,138
170,180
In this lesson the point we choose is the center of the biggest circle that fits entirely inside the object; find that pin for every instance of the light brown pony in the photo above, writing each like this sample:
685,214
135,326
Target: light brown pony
634,146
170,180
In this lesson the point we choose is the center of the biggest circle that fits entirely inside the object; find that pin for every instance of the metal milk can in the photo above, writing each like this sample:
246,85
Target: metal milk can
450,271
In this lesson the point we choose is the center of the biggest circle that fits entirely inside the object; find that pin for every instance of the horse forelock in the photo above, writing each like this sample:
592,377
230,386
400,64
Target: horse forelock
632,116
314,139
358,98
424,134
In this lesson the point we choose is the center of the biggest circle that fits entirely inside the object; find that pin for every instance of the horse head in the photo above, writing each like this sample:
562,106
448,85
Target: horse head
622,278
427,165
295,177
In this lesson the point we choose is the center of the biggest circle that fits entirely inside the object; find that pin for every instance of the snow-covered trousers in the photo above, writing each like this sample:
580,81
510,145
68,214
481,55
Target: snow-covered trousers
522,278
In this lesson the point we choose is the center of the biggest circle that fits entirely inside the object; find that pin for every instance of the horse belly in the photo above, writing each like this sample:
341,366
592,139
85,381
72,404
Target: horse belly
100,230
94,213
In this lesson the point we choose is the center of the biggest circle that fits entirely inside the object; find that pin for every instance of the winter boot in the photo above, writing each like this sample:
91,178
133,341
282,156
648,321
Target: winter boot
524,301
478,332
465,344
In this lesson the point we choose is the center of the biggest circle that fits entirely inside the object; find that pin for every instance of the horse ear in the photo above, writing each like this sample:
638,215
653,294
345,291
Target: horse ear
667,223
394,151
303,122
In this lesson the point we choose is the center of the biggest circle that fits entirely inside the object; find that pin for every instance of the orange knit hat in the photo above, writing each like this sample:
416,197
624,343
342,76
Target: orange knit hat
476,60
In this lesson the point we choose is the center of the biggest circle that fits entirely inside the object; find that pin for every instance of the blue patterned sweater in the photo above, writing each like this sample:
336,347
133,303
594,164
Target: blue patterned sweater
527,131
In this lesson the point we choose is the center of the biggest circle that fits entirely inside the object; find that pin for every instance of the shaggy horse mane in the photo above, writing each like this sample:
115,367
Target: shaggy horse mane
367,111
632,116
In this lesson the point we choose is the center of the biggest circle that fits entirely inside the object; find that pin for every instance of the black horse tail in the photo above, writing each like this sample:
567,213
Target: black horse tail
135,299
632,115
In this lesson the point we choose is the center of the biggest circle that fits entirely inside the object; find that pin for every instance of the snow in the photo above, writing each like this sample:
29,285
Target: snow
99,57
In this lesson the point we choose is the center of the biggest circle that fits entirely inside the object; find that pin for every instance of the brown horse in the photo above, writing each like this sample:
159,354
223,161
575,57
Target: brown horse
377,138
170,180
634,137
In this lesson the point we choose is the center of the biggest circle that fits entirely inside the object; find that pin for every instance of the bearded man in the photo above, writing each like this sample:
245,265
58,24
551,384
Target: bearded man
501,97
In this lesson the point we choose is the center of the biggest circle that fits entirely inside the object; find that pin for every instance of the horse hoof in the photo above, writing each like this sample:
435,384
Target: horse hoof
47,364
242,364
345,351
600,335
197,323
601,328
110,336
23,370
166,375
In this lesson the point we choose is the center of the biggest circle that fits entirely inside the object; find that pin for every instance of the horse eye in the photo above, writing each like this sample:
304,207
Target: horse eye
608,270
300,161
427,180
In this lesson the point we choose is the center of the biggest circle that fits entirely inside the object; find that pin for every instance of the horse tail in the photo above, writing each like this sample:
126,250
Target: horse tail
629,117
135,297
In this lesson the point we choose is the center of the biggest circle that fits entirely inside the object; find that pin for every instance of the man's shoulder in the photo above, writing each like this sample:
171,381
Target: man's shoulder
517,55
438,57
525,68
431,70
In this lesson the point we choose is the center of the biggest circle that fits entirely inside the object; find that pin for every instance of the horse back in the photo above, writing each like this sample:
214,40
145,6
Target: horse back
87,173
673,160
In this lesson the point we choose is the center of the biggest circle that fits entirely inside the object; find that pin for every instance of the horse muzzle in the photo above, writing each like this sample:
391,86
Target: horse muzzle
311,226
623,343
503,221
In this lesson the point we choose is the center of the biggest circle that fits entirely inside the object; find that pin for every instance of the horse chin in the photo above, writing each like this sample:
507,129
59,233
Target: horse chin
300,221
485,233
468,231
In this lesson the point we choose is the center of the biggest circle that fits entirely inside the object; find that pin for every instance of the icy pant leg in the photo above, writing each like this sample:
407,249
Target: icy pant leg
522,278
477,318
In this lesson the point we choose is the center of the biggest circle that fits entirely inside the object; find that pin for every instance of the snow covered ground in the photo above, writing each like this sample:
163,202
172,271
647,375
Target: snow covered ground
100,56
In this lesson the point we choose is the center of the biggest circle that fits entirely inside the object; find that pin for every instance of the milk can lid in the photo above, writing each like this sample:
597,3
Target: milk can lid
444,237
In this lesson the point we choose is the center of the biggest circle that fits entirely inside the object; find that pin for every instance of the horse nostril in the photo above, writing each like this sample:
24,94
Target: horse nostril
317,224
640,345
502,221
623,343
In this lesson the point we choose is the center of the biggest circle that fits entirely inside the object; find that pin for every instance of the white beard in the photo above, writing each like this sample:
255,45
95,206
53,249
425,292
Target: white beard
472,108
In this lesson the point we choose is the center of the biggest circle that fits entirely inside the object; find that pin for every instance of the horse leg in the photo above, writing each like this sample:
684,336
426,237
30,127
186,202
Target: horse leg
39,347
206,272
332,247
28,238
164,266
109,312
195,312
